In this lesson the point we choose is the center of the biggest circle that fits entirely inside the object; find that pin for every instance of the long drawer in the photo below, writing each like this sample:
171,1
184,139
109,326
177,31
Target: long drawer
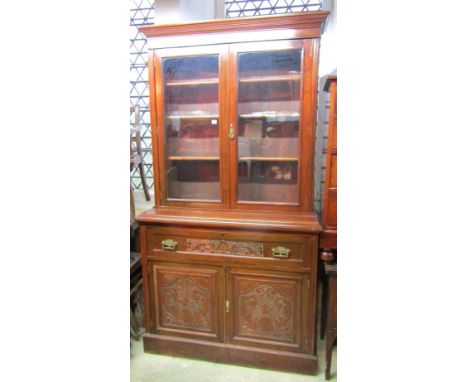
241,247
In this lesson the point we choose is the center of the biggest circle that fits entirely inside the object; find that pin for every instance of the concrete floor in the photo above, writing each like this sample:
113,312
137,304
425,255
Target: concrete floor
157,368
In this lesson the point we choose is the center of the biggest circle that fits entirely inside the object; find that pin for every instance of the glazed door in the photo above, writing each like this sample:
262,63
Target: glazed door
191,107
187,300
266,309
271,125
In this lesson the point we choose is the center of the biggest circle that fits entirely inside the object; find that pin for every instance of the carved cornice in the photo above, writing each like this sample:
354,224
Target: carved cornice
303,20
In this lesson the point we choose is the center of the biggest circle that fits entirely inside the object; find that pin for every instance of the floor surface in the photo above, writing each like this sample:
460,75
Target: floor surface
157,368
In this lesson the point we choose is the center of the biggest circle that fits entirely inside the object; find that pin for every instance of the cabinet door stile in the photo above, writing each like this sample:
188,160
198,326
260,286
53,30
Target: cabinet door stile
154,122
224,125
232,86
159,152
309,118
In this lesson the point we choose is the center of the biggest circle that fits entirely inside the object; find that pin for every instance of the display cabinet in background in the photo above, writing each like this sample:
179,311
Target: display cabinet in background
229,253
329,208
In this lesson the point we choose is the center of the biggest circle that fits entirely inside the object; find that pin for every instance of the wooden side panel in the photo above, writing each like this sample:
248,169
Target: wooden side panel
329,214
332,209
186,300
266,309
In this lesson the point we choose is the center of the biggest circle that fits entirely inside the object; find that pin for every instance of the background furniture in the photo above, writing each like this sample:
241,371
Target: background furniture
136,280
329,216
331,328
136,157
229,253
136,296
328,238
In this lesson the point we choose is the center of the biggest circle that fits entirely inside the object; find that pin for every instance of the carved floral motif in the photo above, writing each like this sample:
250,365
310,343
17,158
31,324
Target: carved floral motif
267,310
186,301
238,248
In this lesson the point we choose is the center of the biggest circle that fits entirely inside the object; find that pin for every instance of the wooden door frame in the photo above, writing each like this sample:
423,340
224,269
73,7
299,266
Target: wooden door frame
217,310
309,65
158,123
302,325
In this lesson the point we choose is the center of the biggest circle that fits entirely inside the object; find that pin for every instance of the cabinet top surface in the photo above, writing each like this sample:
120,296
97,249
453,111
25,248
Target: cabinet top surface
292,222
304,20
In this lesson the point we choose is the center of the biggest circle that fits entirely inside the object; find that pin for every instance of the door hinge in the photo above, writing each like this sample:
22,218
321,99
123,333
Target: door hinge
232,133
228,306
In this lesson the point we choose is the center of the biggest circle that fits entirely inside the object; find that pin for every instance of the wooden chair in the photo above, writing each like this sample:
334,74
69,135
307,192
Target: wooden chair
136,157
328,329
136,281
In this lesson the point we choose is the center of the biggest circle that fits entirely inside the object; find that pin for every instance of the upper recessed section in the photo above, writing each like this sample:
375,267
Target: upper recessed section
298,25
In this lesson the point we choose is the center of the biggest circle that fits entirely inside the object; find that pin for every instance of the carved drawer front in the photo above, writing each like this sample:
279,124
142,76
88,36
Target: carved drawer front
186,300
243,247
266,309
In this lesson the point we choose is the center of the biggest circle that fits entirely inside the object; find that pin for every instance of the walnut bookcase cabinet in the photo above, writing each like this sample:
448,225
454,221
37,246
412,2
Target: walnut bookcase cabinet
229,252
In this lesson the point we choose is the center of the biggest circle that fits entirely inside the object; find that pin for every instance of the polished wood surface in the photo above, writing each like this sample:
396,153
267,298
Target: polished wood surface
263,220
230,272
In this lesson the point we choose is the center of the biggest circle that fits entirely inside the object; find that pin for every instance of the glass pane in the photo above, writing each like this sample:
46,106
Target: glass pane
191,103
268,126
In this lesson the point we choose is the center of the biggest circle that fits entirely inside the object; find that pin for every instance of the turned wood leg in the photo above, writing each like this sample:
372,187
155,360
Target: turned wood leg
331,338
323,311
327,256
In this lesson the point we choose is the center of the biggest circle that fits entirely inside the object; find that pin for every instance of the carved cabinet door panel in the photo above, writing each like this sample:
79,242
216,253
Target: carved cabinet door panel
267,309
186,300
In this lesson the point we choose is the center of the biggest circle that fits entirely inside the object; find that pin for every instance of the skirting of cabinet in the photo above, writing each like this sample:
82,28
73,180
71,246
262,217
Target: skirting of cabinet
233,354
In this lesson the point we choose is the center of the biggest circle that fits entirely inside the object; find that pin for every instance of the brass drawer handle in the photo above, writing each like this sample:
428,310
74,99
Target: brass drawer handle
169,244
280,252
